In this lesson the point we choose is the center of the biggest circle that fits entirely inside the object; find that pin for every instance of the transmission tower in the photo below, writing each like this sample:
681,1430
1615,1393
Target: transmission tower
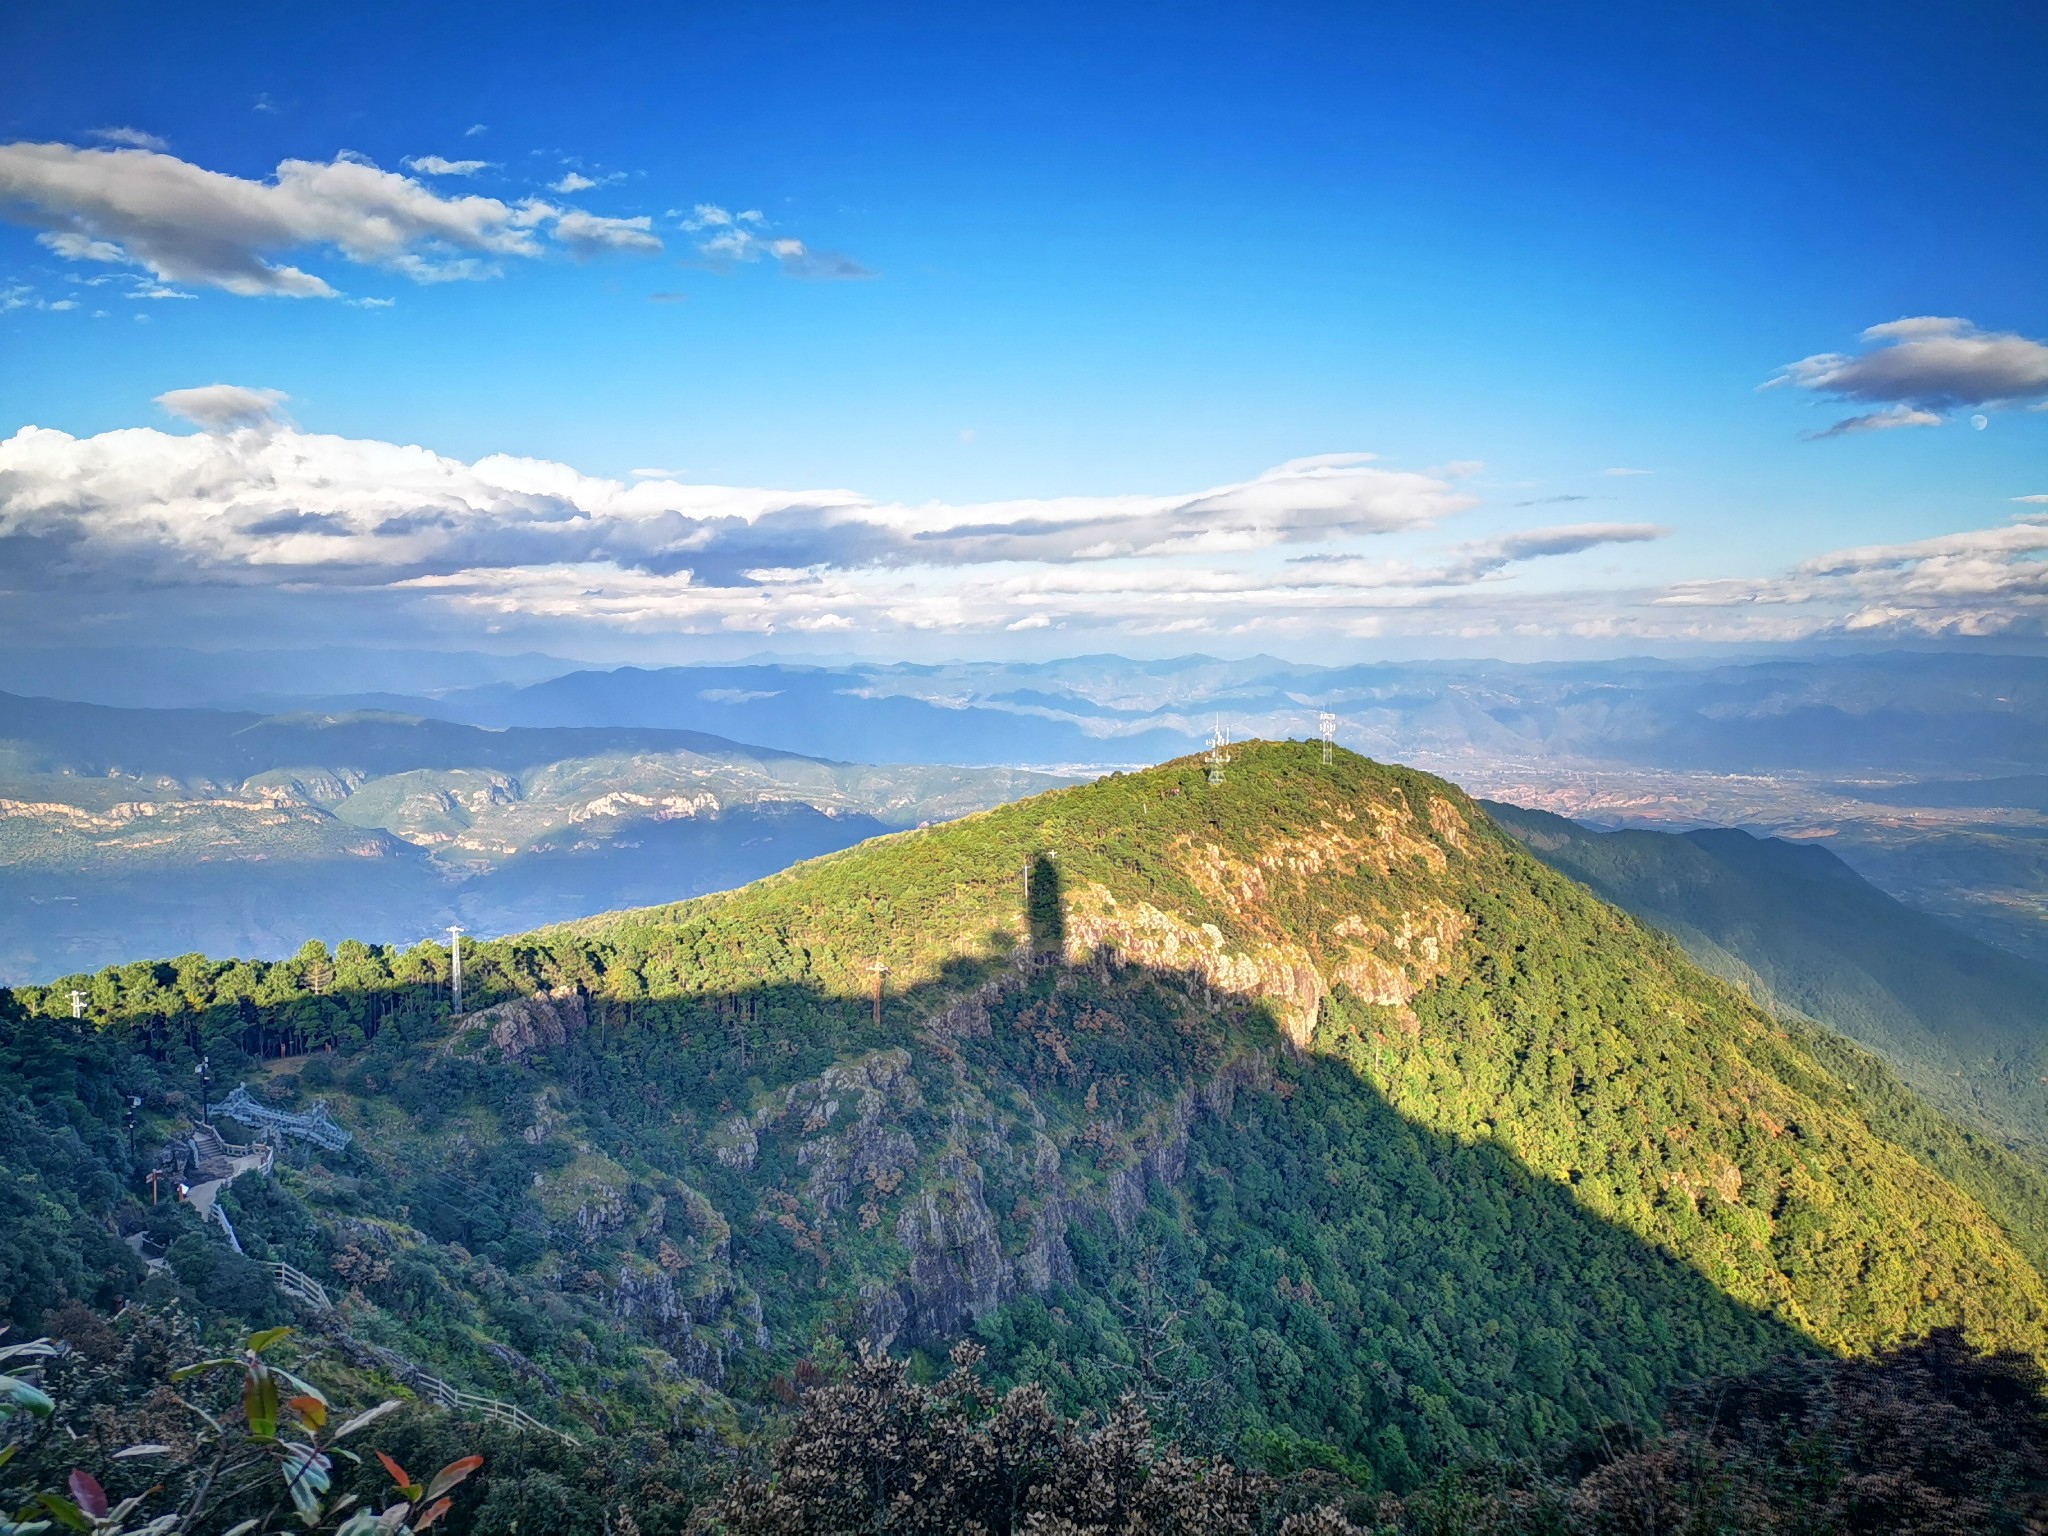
77,1004
1327,723
1219,753
455,958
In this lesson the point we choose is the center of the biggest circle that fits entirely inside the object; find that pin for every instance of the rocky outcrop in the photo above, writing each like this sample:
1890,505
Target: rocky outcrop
541,1022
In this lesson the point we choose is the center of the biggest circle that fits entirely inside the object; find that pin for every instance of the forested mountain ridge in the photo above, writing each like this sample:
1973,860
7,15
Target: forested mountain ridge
1963,1022
1304,1102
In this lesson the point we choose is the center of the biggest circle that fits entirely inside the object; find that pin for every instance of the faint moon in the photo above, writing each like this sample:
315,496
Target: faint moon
1980,422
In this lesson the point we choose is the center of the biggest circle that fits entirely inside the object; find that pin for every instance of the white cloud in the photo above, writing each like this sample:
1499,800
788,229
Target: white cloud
476,130
574,181
737,237
1619,471
131,138
224,407
1917,368
587,234
434,165
1890,419
188,224
283,509
255,516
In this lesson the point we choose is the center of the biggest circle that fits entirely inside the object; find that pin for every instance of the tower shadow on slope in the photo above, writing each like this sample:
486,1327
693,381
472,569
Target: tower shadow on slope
1045,907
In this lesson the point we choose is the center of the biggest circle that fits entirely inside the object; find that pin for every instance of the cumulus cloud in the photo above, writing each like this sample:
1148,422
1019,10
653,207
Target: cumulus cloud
574,181
434,165
188,224
588,234
224,407
1918,368
131,138
238,507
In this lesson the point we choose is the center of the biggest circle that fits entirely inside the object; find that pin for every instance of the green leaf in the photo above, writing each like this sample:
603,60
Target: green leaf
16,1393
243,1529
64,1512
259,1402
196,1367
151,1449
305,1478
259,1342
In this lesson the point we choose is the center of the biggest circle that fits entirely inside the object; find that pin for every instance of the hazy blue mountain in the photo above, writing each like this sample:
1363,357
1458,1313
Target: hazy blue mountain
1893,713
1965,1023
125,831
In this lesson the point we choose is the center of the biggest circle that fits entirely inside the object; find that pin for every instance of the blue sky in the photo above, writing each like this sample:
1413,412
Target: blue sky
1096,252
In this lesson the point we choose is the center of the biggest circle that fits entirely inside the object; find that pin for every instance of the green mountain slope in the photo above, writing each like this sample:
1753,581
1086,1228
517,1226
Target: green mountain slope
1964,1023
1305,1104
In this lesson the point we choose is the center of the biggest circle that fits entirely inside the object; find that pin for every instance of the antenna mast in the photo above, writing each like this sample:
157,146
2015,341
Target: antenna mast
77,1004
1327,723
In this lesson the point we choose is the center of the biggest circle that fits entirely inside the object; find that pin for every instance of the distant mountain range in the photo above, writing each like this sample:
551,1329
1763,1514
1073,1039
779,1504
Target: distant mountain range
129,830
1895,713
1964,1023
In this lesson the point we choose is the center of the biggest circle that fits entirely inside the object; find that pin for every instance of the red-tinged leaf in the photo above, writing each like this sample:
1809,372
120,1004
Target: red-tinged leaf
311,1409
398,1474
452,1474
87,1493
434,1512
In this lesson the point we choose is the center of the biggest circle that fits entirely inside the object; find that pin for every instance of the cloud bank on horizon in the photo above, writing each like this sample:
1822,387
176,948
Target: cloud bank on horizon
252,508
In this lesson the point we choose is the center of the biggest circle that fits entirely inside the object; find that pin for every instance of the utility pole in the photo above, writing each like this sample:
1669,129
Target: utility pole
455,955
77,1004
204,1071
134,1105
1327,722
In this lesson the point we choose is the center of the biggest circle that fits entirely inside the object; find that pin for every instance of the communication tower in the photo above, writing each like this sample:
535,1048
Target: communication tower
77,1004
1219,753
1327,723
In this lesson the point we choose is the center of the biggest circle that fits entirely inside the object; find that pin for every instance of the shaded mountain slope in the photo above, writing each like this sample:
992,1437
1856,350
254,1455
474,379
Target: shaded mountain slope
1306,1104
1963,1022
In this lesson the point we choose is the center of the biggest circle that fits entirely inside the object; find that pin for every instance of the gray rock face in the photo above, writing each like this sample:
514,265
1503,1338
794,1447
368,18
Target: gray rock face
544,1020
